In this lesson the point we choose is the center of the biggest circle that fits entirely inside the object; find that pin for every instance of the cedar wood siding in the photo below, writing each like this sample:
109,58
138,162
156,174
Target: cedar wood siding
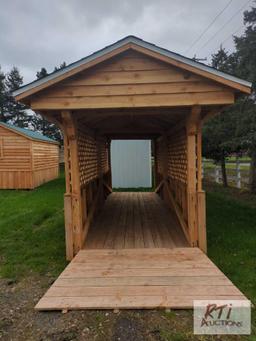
25,163
132,79
45,162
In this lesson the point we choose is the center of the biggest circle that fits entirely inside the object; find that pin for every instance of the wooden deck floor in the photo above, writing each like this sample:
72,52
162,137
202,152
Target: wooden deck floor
135,220
137,279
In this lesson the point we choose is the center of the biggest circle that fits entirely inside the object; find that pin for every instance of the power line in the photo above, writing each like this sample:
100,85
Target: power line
225,24
207,28
231,35
226,39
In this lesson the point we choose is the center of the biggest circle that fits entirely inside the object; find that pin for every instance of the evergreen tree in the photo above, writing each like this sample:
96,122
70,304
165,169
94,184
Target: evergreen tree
2,96
46,128
42,73
237,131
62,66
246,106
218,132
38,122
15,112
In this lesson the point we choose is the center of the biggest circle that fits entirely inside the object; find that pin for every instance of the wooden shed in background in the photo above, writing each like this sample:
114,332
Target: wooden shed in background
27,158
143,250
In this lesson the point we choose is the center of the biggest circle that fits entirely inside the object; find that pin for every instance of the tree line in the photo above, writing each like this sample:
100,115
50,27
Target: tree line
233,132
19,114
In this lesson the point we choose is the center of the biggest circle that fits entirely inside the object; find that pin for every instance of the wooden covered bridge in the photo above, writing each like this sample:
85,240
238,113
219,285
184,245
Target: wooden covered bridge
134,250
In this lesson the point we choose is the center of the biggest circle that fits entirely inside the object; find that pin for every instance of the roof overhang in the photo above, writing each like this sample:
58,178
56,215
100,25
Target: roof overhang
142,46
15,130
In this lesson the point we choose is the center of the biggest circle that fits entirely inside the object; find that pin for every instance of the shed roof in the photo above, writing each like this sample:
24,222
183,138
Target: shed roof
130,41
33,135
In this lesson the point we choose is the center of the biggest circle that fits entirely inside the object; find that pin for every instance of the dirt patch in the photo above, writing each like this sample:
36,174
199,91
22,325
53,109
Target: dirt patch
19,321
127,329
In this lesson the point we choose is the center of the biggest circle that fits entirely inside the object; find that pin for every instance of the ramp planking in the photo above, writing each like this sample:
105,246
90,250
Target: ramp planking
138,279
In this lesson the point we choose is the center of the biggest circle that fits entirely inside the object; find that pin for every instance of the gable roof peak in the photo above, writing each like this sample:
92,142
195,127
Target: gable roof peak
72,68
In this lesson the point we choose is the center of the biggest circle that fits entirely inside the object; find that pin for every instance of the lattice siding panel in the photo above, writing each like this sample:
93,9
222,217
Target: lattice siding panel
160,156
88,158
177,156
104,157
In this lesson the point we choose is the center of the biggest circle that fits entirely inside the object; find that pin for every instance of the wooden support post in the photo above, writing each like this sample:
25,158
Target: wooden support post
155,180
202,237
73,200
192,130
199,155
201,209
100,175
84,207
109,165
165,168
68,202
68,226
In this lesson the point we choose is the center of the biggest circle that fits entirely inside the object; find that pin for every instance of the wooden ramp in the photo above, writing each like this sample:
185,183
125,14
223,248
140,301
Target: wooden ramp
137,279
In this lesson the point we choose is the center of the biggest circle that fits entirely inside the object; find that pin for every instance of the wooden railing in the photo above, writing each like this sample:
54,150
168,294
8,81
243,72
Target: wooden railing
178,176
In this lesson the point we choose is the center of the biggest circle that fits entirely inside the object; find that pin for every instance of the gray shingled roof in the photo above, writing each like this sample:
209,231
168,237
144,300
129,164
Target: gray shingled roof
29,133
139,42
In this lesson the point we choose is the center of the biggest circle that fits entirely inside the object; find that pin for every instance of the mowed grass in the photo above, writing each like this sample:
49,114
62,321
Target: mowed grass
32,230
231,233
231,227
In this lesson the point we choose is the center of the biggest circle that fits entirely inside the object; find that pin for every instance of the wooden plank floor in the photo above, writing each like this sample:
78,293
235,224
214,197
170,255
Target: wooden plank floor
135,220
137,279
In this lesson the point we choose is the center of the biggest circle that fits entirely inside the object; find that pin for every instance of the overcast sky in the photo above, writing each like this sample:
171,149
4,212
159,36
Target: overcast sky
45,33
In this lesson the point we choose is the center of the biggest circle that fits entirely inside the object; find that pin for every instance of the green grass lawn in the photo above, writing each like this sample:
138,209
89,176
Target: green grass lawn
231,225
32,233
229,166
32,230
241,158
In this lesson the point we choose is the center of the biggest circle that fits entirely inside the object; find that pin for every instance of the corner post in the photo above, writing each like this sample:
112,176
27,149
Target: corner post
100,173
109,164
72,198
191,130
201,209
